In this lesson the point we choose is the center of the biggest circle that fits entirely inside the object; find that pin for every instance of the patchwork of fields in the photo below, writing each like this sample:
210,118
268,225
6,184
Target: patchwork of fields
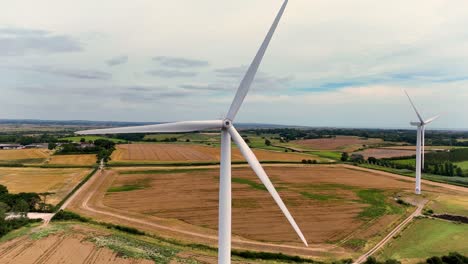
341,209
39,180
332,204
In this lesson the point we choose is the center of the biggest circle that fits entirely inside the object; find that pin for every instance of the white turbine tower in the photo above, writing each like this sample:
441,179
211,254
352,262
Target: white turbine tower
228,131
421,130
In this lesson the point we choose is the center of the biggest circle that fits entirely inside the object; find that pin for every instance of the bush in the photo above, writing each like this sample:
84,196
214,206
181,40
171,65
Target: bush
69,216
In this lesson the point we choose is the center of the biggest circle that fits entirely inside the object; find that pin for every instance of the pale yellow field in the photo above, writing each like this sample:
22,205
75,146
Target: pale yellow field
84,159
58,181
23,154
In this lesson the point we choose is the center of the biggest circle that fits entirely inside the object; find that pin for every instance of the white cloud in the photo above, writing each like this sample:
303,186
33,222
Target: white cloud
329,63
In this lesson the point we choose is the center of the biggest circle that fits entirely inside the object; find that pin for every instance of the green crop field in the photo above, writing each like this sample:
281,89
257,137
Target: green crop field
463,165
424,238
93,138
405,162
449,204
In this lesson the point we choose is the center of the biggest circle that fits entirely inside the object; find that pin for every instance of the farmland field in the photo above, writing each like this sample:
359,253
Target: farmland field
332,204
58,181
82,160
450,204
339,143
23,155
381,153
192,153
424,238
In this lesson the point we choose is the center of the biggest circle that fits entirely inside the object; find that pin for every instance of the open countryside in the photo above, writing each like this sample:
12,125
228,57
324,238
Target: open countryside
243,132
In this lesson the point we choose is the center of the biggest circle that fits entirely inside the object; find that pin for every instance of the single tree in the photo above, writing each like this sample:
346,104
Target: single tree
267,142
51,145
344,156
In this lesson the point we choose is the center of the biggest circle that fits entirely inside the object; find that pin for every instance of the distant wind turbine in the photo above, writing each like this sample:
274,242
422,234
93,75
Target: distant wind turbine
421,130
227,132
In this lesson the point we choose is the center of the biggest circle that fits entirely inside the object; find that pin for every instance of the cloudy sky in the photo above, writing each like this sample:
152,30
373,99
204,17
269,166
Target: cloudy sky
330,63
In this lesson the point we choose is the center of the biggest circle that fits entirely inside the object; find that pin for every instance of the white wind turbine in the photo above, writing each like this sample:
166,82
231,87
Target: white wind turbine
421,130
227,132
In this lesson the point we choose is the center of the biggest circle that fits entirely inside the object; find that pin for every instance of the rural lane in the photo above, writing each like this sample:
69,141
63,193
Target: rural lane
395,231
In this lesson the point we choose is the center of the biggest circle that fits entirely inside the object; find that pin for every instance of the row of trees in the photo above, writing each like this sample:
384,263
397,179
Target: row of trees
451,258
440,138
432,166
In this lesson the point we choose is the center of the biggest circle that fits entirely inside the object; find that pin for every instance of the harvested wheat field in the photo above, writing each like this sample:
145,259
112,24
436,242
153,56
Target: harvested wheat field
381,153
331,204
82,160
23,155
58,181
84,244
192,153
339,143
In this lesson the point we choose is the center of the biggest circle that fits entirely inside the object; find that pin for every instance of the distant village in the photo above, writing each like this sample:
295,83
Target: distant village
81,145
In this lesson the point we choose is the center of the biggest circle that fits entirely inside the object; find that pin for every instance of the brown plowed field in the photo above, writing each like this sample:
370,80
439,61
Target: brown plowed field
192,153
184,204
381,153
58,181
84,159
338,143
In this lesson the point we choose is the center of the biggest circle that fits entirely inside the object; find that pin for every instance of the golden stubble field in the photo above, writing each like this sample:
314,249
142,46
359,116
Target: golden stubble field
325,201
24,155
192,153
58,181
81,160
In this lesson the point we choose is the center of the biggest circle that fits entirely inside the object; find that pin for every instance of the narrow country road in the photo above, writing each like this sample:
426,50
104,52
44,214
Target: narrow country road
390,235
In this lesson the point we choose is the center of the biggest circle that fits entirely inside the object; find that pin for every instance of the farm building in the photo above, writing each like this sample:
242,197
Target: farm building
10,146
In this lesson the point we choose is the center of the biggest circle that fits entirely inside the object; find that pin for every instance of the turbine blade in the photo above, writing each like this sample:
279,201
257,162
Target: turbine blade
430,120
414,107
186,126
257,168
250,74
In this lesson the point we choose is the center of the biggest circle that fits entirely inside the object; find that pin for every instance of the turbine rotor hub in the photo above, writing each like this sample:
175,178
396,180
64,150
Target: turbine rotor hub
227,123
